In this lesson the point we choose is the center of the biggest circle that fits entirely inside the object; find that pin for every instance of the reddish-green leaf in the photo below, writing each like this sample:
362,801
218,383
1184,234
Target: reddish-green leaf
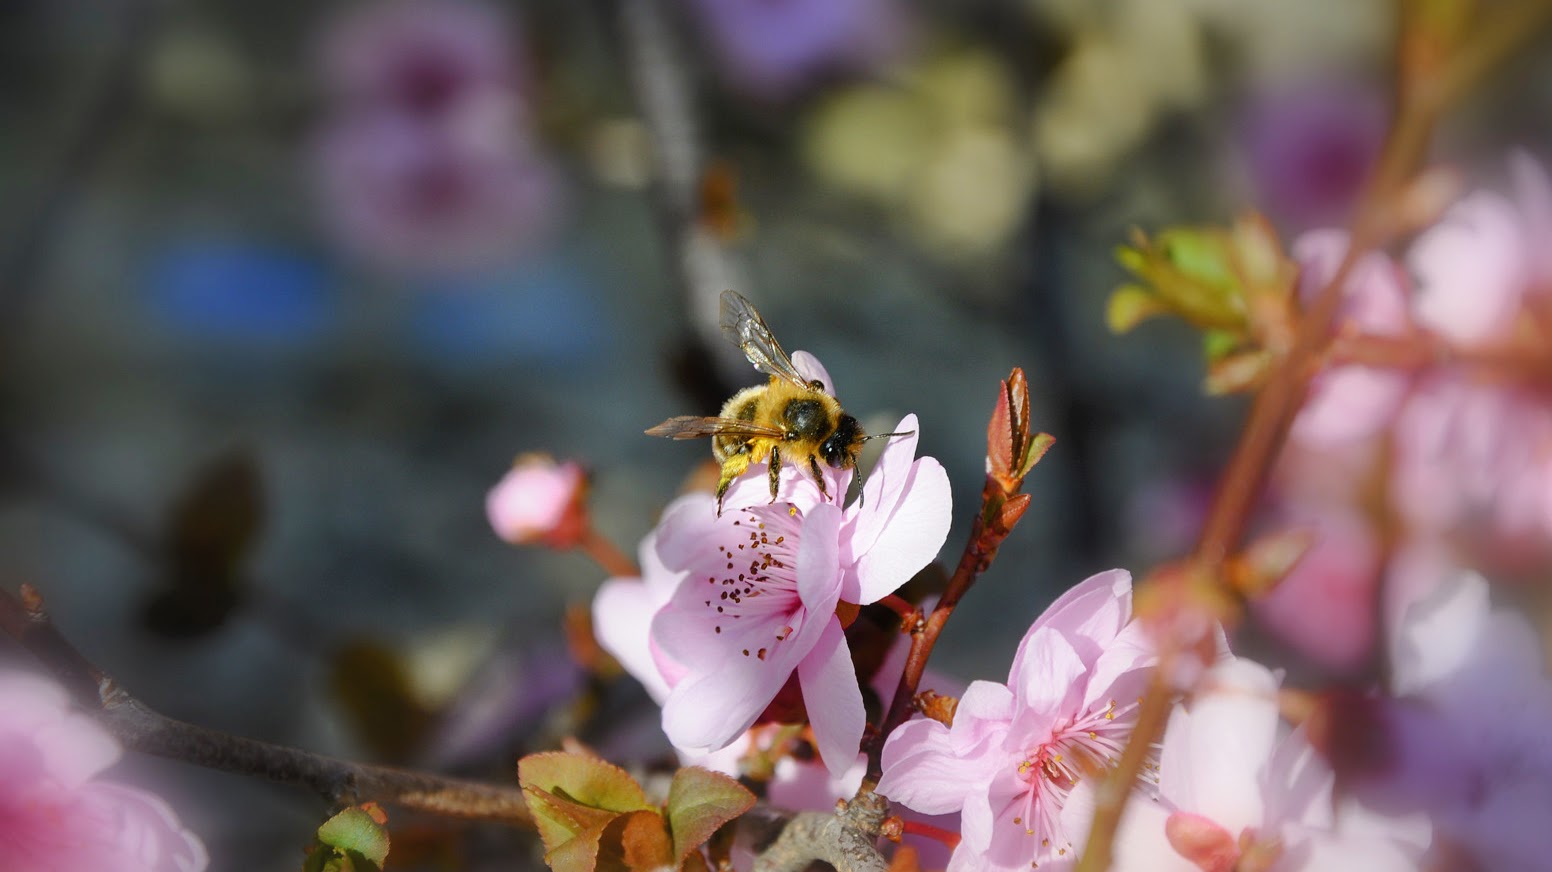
645,843
583,779
575,796
700,801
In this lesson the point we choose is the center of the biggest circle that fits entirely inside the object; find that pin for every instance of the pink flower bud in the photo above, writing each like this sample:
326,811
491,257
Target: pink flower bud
539,501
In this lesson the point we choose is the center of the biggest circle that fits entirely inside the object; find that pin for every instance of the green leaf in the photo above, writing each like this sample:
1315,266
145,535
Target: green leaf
354,830
700,801
582,779
574,797
1129,306
580,853
560,820
1237,372
355,840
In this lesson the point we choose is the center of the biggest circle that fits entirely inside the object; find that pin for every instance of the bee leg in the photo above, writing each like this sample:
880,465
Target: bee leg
775,471
732,468
813,467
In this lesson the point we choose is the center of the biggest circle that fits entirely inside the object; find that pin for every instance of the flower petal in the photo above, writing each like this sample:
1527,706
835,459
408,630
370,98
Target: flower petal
622,621
833,699
810,368
1228,740
1089,615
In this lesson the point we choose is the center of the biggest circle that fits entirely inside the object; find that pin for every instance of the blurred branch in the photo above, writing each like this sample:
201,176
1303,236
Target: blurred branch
1424,92
112,101
140,728
663,92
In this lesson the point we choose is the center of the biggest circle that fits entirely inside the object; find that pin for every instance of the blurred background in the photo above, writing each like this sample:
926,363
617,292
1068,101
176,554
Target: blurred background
284,287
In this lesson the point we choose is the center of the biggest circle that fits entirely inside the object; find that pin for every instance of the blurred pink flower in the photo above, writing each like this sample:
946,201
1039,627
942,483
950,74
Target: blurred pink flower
741,624
1465,741
772,50
1474,456
1325,608
1236,791
1310,145
1476,266
427,160
420,57
53,815
1016,751
1352,402
539,501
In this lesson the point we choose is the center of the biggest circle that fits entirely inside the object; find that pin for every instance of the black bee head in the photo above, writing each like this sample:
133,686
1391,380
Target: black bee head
840,448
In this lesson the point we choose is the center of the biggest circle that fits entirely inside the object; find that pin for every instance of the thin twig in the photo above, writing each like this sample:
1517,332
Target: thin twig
140,728
980,548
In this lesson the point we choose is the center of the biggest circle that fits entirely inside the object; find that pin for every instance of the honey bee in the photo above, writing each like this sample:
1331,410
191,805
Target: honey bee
788,418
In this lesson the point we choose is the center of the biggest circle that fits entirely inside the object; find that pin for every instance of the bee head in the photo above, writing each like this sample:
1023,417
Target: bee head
840,448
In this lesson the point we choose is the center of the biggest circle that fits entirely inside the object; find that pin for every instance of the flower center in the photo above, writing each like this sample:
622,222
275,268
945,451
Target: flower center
758,584
1091,743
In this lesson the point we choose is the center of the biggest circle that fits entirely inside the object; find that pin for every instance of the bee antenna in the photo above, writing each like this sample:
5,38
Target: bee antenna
887,435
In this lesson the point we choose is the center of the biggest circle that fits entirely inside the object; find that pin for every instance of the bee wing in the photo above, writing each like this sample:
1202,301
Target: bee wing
744,327
693,427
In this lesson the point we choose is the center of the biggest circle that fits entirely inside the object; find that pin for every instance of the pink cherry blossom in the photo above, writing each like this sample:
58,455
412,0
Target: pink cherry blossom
1016,750
1465,741
1238,790
761,585
54,814
538,500
1474,456
1476,266
1352,402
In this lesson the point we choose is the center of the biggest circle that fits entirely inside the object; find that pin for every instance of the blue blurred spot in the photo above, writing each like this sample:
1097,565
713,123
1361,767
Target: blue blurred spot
233,291
547,312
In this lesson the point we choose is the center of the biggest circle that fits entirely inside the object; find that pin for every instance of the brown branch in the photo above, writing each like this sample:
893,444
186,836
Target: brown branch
140,728
845,839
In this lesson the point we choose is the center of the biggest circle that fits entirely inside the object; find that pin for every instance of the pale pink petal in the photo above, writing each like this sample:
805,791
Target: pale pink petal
917,527
1089,615
833,699
810,368
819,570
622,621
1141,844
1439,631
931,768
1229,736
1047,686
705,712
882,491
1471,270
146,829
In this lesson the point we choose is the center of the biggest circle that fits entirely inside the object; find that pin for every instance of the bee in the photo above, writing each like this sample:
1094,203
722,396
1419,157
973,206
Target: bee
788,418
